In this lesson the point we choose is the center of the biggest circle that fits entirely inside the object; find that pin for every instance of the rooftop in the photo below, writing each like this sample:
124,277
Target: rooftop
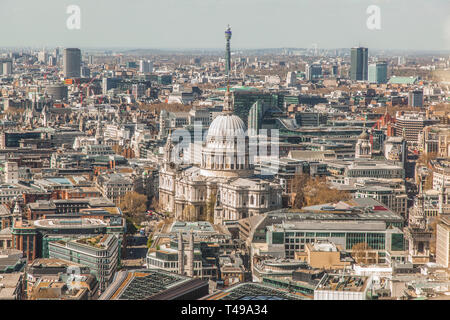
402,80
8,285
183,226
99,241
51,263
323,246
142,284
336,282
253,291
69,223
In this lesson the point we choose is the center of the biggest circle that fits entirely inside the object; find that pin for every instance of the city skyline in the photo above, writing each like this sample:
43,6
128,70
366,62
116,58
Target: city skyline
296,173
194,23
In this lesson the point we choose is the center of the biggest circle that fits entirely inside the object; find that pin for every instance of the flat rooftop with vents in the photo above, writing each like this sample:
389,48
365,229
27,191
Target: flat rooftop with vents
342,287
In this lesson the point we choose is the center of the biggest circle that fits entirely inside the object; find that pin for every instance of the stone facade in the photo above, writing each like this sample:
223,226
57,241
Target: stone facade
223,188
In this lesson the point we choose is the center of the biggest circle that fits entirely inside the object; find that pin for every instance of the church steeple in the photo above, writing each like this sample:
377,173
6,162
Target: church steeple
98,131
441,198
17,212
168,149
44,116
82,125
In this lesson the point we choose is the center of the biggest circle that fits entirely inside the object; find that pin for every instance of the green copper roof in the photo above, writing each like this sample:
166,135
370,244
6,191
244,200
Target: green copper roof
403,80
239,88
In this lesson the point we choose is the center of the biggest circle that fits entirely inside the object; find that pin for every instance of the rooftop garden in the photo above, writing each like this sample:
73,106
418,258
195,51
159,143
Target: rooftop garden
96,242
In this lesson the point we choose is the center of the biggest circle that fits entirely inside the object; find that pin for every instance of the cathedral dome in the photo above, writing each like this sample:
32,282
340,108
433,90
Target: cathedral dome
226,150
226,125
364,135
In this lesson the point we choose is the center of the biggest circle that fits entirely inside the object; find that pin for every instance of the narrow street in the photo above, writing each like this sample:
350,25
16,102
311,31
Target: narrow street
135,251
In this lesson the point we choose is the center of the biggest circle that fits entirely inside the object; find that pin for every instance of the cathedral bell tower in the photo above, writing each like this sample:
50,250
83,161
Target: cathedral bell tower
363,149
168,151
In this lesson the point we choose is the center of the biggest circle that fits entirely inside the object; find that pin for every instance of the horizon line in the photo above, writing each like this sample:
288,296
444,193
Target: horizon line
215,48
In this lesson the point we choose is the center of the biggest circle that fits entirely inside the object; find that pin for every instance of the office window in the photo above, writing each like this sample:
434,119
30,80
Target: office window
322,234
338,234
277,237
376,241
354,238
397,242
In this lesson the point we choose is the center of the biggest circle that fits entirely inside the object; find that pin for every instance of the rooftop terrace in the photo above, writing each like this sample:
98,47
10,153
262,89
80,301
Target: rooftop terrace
336,282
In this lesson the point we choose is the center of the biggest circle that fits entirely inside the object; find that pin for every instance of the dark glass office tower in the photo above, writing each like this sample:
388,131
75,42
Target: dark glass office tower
359,64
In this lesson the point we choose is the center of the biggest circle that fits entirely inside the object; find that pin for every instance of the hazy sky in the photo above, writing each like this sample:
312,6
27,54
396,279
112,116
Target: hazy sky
405,24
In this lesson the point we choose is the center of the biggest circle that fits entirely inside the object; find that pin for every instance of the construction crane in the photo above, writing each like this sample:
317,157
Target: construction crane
81,88
373,127
377,124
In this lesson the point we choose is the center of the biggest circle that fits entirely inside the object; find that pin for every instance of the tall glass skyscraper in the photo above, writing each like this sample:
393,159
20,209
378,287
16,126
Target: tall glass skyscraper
359,64
378,72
